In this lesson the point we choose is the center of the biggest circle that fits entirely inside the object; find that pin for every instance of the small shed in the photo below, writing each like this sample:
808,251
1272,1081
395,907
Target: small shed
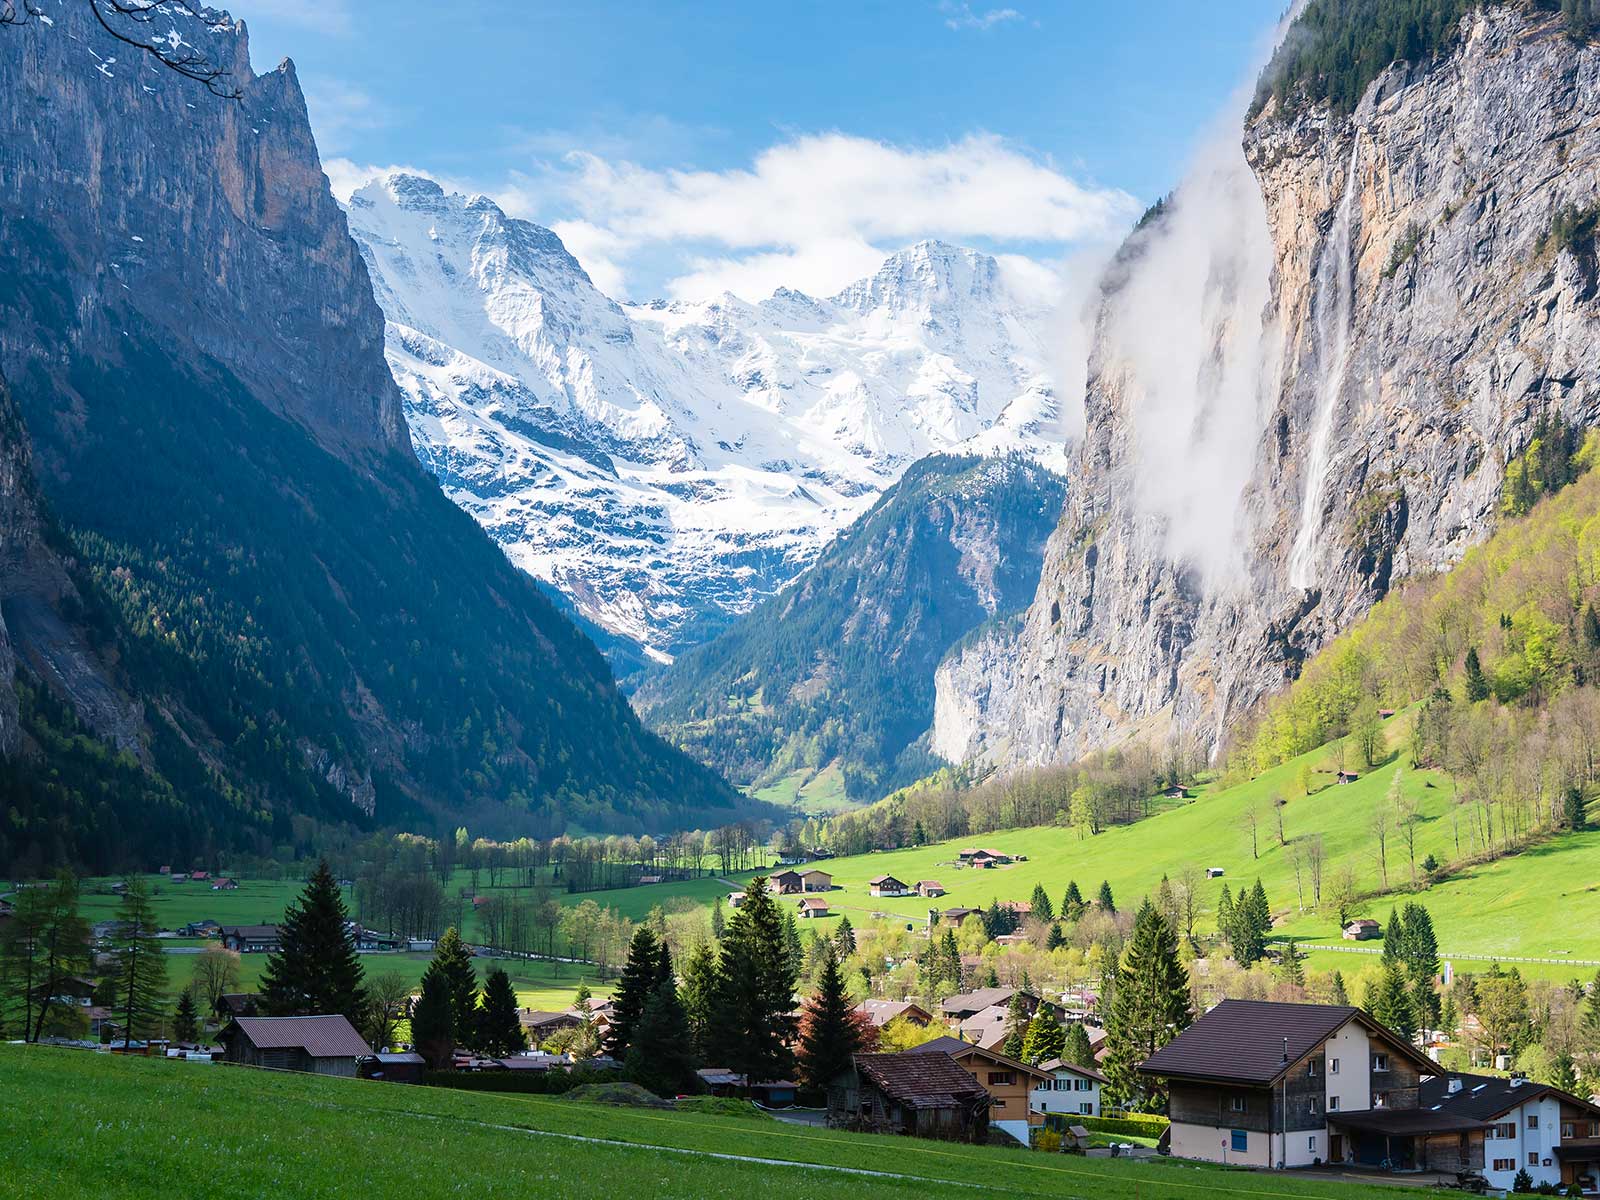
1348,777
1362,929
813,906
925,1095
1215,872
322,1045
815,880
787,883
930,888
394,1068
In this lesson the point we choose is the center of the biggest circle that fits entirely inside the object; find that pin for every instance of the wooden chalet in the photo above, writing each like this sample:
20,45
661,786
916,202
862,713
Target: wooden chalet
322,1045
924,1095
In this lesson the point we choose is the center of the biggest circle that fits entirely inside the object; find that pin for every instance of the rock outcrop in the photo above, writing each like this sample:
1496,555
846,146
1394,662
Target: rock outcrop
1411,322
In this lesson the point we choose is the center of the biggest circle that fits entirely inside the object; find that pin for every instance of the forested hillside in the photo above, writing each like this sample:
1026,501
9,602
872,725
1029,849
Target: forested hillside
838,669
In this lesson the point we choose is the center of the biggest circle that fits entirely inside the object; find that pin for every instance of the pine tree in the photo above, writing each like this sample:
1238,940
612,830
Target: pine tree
844,937
660,1059
455,965
1166,902
139,965
699,984
1248,927
1149,1008
1046,1040
791,942
1072,904
1016,1027
719,920
583,999
1336,990
61,945
1573,809
1056,939
1040,904
315,971
1225,914
640,978
1394,940
499,1030
433,1023
1591,627
829,1034
1477,685
1390,1001
185,1024
1291,967
751,1024
1421,950
1104,901
950,960
1076,1048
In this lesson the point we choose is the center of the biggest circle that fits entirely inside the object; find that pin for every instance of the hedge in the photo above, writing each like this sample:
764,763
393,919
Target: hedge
1150,1125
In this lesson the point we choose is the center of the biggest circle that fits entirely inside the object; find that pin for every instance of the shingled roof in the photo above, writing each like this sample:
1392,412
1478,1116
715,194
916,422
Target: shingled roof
921,1080
1485,1097
320,1037
1243,1041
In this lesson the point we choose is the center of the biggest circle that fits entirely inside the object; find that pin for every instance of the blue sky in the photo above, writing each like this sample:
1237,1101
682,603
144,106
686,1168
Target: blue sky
681,150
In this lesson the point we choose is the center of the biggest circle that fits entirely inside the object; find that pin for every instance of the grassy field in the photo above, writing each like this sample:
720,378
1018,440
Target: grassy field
809,793
82,1124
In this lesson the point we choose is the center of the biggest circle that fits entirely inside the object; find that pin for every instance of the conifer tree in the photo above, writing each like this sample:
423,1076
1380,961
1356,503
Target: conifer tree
1477,685
1075,1046
1104,901
1225,913
829,1033
640,978
455,966
1016,1027
1056,939
139,965
1040,904
1390,1002
185,1024
751,1023
583,999
660,1059
1394,940
61,945
1336,990
1149,1008
315,971
844,937
433,1026
950,961
1166,902
719,920
991,980
1046,1040
499,1030
1573,807
791,942
1072,903
1291,967
699,984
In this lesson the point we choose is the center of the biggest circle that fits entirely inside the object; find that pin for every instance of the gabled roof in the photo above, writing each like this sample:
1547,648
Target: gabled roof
881,879
884,1011
927,1080
1243,1041
977,1001
320,1036
956,1048
251,932
1485,1097
1056,1064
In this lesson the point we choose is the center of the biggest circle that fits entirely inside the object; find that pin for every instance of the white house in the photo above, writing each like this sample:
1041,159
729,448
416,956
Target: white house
1552,1135
1070,1089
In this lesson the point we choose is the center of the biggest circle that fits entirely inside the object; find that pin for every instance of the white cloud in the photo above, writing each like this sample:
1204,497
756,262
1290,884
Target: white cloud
961,16
332,17
820,210
344,176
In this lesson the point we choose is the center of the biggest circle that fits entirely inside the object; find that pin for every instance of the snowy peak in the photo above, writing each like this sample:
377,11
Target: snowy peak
928,276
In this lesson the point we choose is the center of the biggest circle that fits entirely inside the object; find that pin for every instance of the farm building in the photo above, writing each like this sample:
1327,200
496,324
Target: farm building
924,1095
931,888
323,1045
813,906
251,939
881,1012
887,885
1363,929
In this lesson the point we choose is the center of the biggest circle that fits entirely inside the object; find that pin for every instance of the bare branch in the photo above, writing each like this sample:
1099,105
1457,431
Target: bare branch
171,52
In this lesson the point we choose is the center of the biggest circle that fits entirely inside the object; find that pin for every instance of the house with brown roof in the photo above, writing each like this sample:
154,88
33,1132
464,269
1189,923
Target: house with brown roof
931,888
251,939
1071,1090
964,1004
1264,1083
1362,929
881,1012
887,885
812,906
786,883
924,1095
954,916
815,881
1008,1082
1535,1127
542,1025
323,1045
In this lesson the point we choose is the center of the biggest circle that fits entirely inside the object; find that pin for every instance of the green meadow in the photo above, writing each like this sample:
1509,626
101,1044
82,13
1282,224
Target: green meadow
84,1124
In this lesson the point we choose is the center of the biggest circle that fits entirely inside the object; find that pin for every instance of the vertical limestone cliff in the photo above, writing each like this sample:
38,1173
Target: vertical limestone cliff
1371,333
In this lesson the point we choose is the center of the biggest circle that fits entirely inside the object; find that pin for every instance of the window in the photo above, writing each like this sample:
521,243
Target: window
1238,1104
1594,1129
1311,1144
1380,1062
1333,1066
1086,1109
1505,1131
1333,1104
1380,1099
1533,1120
1001,1078
997,1104
1313,1068
1241,1141
1533,1158
1505,1164
1316,1104
1569,1129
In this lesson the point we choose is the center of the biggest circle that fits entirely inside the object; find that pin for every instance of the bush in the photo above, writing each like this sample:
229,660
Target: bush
1148,1125
528,1083
722,1106
1571,229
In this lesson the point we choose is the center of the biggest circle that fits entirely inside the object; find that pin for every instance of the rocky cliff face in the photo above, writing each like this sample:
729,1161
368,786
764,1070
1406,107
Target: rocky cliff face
1373,332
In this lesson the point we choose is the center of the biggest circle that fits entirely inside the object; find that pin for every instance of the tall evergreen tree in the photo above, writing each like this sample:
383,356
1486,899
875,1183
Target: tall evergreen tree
315,970
1394,940
1075,1046
1250,922
1072,903
499,1030
185,1022
844,937
1574,810
829,1033
433,1022
719,919
461,981
1390,1001
640,978
792,945
1291,967
1046,1040
1336,990
138,965
1149,1008
1040,905
1477,685
1016,1027
1225,914
751,1023
660,1059
1104,900
63,947
695,996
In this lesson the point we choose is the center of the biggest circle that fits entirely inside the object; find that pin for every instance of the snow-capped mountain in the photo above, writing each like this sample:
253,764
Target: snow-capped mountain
669,464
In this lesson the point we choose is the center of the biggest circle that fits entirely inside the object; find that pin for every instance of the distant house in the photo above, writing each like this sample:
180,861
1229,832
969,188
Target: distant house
200,929
369,940
1008,1082
251,939
887,885
404,1067
1215,872
954,916
199,876
179,877
1071,1089
787,883
323,1045
986,1027
1012,939
224,884
813,906
923,1095
1348,777
1176,792
166,870
119,888
419,945
774,1093
1362,929
982,860
735,899
542,1025
1552,1134
931,888
965,1004
649,879
535,1060
237,1004
1264,1083
881,1012
815,880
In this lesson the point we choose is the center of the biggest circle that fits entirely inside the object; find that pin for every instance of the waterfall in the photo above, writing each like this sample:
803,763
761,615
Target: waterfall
1334,285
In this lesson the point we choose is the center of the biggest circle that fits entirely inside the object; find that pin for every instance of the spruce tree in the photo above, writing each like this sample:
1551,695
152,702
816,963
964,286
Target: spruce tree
1046,1040
1421,949
719,920
844,937
1394,940
1225,914
315,971
1075,1046
751,1023
1040,904
455,965
1291,967
1574,812
1056,939
138,965
699,986
433,1023
61,948
499,1030
829,1033
185,1024
660,1059
1390,1001
1477,685
1149,1008
1016,1027
950,961
640,977
1336,990
1072,903
992,979
1104,900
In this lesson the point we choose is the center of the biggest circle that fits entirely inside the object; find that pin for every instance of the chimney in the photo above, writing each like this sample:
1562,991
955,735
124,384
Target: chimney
1285,1049
1453,1086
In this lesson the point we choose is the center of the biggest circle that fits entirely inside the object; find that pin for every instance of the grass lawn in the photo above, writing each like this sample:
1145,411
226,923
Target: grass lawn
83,1124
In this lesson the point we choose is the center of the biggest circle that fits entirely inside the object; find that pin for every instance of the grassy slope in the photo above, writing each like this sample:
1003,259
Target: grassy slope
92,1125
